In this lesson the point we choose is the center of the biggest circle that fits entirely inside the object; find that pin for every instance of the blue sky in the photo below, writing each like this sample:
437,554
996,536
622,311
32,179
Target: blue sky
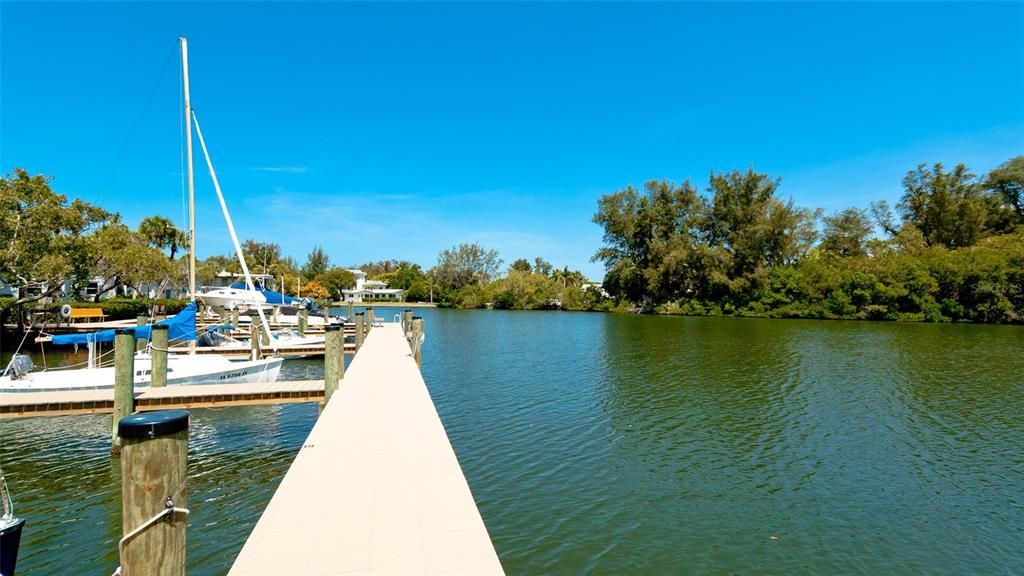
397,130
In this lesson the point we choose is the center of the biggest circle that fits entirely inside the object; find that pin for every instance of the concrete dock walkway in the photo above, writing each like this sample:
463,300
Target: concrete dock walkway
376,487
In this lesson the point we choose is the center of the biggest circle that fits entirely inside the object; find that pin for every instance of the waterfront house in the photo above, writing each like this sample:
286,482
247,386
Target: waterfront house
371,290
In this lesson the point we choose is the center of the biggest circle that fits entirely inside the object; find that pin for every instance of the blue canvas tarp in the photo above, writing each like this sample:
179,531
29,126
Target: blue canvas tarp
179,327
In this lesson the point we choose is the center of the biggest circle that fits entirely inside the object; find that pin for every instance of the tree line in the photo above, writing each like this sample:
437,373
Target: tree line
952,250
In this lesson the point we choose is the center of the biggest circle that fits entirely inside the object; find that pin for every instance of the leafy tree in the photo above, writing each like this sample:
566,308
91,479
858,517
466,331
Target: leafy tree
1007,182
207,269
161,233
124,258
42,237
521,265
266,258
464,265
542,266
947,207
846,233
335,280
317,262
315,290
403,276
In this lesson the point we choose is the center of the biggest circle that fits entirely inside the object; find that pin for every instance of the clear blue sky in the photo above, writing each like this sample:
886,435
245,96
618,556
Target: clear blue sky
396,130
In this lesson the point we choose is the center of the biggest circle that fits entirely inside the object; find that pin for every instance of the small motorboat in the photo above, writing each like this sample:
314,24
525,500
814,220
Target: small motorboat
10,531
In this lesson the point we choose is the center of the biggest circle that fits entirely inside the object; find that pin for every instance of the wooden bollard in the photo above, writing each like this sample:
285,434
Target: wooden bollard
334,360
140,343
124,382
154,493
351,312
254,340
406,322
303,319
369,319
234,317
158,356
417,335
360,319
327,315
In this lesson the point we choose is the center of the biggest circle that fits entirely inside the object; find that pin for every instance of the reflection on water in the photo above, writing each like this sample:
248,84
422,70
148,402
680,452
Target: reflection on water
622,444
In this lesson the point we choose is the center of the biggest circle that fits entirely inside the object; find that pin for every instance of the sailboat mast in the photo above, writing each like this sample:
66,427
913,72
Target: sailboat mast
191,182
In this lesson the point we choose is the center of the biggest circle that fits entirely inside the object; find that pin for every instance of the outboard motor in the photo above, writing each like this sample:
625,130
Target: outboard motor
20,365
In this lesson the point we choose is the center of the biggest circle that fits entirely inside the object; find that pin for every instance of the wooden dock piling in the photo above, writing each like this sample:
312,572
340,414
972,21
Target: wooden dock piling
351,311
417,340
303,321
334,360
158,353
154,493
406,321
370,316
124,382
360,333
140,343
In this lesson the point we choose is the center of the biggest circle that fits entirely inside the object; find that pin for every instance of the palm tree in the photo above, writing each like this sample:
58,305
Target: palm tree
160,232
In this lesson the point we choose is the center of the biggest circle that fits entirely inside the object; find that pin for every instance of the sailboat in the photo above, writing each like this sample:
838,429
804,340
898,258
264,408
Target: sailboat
10,531
181,369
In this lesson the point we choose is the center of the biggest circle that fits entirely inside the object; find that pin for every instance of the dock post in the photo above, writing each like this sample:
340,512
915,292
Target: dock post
158,353
140,343
154,493
360,316
417,337
254,340
264,336
124,382
234,318
406,322
303,315
327,315
369,319
334,360
351,311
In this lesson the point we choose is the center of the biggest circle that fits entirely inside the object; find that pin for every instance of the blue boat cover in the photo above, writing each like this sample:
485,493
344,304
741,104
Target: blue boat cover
272,297
179,327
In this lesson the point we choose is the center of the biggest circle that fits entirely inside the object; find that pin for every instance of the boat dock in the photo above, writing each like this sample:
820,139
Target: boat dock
69,402
376,487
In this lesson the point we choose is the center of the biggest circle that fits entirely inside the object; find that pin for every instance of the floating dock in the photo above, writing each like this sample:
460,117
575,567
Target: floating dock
376,487
68,402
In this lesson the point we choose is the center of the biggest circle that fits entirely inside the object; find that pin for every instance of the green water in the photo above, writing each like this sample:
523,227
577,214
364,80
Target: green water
614,444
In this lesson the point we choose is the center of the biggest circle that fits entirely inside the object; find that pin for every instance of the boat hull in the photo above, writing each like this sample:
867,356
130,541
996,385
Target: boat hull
181,371
10,541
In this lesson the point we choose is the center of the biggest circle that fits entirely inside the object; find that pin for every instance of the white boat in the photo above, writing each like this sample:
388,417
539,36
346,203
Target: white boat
288,342
182,370
231,298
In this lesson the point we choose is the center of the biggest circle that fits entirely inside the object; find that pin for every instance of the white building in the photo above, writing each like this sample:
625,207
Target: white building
371,290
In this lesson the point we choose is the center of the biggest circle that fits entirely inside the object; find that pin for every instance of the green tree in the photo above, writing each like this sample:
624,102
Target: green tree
947,207
42,236
464,265
542,266
124,258
649,239
161,233
335,280
846,233
267,258
317,262
1007,183
521,265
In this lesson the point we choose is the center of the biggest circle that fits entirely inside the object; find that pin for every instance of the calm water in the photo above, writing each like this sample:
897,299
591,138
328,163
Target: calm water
621,444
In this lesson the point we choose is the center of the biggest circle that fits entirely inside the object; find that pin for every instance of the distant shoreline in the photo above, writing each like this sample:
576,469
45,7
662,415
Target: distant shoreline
385,304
